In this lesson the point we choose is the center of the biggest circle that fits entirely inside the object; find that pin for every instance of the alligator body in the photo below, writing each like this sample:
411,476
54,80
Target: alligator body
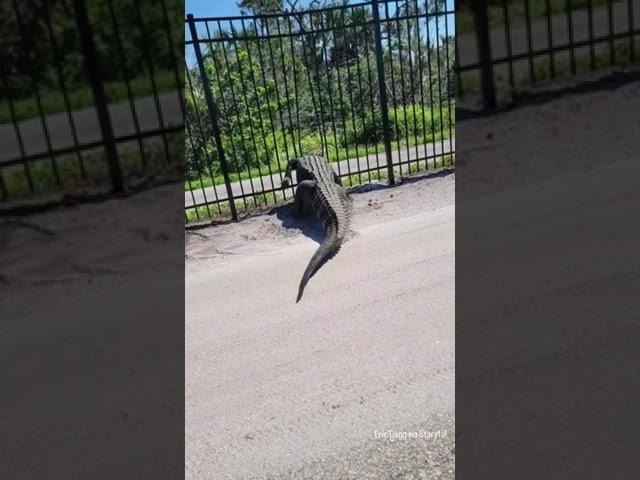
319,190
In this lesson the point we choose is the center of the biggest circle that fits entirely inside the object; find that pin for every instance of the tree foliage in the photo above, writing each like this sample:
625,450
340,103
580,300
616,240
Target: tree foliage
31,51
309,80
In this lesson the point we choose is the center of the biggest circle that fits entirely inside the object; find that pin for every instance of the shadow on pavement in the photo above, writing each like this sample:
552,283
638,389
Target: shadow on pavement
308,225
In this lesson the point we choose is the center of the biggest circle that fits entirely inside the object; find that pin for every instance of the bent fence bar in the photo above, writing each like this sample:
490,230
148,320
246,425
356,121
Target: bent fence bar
523,43
368,85
90,95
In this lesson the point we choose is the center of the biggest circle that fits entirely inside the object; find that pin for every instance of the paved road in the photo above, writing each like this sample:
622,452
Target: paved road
86,124
467,45
275,387
353,165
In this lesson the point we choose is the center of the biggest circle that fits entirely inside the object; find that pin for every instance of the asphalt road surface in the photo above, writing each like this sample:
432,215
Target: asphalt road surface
198,196
87,127
539,33
278,389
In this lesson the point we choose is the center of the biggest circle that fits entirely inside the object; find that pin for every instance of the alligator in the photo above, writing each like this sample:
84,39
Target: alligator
320,190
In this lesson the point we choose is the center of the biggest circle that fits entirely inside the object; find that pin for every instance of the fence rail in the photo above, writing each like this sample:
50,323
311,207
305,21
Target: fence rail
90,94
523,43
362,84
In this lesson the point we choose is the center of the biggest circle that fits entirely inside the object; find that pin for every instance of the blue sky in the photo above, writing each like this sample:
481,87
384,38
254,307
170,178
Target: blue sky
227,8
211,8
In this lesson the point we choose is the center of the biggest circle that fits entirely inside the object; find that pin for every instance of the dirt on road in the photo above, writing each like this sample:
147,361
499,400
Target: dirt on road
92,319
356,380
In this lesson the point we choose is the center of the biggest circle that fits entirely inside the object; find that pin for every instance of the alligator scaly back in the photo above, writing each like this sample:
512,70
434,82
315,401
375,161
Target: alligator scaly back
318,185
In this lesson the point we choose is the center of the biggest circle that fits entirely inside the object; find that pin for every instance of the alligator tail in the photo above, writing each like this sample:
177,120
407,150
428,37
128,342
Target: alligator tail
325,251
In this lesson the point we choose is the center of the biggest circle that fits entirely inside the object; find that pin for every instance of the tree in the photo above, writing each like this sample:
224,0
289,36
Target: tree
310,79
28,52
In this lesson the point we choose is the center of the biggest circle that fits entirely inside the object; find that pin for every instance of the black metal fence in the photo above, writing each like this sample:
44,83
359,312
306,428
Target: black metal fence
90,95
523,43
368,85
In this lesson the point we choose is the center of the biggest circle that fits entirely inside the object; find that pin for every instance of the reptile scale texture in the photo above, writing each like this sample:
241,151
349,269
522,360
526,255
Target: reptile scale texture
319,189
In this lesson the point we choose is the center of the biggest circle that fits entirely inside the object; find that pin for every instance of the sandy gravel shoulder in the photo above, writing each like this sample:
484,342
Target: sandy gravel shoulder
271,232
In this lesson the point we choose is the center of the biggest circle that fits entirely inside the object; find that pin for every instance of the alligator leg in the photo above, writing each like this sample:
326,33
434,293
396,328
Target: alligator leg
303,194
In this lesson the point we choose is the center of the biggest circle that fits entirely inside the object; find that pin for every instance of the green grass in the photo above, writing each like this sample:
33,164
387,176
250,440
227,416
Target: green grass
96,169
82,97
335,155
411,168
470,83
260,202
538,8
264,201
312,143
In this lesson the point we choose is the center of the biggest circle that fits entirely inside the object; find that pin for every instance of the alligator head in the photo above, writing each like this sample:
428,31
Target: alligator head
291,164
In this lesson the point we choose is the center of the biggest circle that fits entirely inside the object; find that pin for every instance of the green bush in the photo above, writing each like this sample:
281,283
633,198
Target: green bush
311,143
414,119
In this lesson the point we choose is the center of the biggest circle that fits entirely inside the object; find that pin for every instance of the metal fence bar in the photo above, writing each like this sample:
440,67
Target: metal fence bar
276,36
286,90
235,103
323,59
430,75
340,99
174,60
204,192
383,91
63,87
317,106
630,22
38,101
592,50
273,128
527,20
612,53
600,45
361,95
507,39
97,86
572,52
3,187
213,115
125,73
152,76
438,69
370,84
421,79
36,92
16,127
86,146
227,115
194,148
392,77
545,51
447,67
349,89
262,132
402,86
401,162
411,84
481,20
245,99
295,81
552,63
329,96
274,69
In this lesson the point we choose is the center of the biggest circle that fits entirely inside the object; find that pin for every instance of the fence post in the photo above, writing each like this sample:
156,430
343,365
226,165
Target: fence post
481,21
213,114
383,91
100,99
